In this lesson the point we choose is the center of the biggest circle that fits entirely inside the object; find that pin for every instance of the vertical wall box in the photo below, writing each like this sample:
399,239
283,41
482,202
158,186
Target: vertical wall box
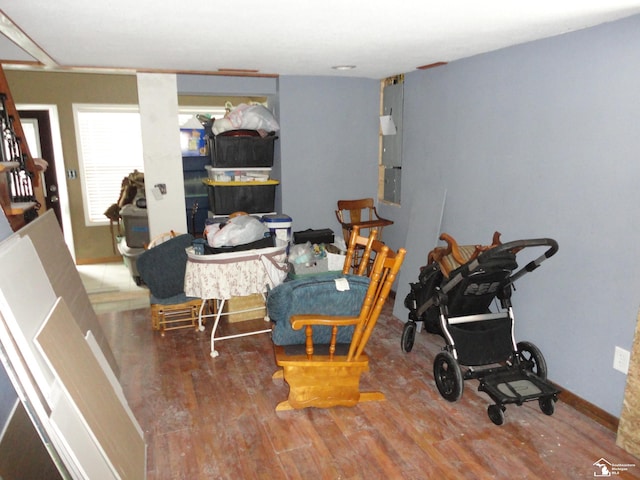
193,170
391,161
238,149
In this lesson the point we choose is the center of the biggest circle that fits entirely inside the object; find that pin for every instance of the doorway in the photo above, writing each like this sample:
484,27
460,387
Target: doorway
37,128
42,129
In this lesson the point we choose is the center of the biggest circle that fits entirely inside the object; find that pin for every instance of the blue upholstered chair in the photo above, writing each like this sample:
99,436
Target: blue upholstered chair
162,269
319,295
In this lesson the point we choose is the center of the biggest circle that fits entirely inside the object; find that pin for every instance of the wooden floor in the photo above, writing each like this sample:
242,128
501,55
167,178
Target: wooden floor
207,418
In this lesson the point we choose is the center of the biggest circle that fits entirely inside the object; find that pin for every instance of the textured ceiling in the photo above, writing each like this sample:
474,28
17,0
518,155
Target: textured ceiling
285,37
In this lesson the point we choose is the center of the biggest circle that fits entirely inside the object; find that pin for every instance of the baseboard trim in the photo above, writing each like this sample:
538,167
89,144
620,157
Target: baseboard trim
590,410
93,261
578,403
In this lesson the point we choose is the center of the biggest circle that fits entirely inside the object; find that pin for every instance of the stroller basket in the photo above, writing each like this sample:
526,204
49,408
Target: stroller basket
482,343
453,298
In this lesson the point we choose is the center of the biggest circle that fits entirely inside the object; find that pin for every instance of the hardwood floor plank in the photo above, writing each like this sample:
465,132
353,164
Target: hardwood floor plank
215,418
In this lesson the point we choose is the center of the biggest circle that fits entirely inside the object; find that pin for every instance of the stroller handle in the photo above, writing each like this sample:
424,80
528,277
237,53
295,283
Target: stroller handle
515,247
518,245
484,257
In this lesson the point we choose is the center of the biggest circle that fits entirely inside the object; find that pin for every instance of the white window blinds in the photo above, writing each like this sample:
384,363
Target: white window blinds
109,148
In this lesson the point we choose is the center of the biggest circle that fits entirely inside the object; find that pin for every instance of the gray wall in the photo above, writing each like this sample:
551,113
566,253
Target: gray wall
328,139
541,139
329,146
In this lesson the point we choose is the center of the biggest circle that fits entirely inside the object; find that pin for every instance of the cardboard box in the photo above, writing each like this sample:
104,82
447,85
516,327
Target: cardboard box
238,304
335,261
319,265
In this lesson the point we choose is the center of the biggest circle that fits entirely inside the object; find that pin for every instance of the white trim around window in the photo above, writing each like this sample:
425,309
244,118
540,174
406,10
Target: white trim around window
109,145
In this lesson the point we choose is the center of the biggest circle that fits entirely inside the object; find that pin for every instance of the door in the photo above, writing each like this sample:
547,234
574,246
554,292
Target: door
37,127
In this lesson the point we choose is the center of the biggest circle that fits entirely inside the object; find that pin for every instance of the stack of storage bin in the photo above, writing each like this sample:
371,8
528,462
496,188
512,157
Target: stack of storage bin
240,171
239,180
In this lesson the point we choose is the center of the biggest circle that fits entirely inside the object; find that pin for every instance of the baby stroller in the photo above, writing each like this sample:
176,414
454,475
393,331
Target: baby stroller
453,299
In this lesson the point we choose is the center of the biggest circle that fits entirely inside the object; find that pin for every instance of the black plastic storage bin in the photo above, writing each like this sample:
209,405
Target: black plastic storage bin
323,235
226,198
237,151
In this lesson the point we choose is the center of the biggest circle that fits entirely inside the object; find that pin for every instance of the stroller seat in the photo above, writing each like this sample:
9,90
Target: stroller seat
456,303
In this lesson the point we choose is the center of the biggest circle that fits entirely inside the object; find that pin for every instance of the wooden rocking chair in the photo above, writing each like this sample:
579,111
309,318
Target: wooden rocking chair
329,375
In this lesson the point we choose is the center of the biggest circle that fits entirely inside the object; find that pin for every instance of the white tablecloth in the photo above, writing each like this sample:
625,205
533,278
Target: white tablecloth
235,274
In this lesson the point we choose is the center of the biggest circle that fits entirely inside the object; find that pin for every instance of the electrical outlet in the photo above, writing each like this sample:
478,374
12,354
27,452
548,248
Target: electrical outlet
621,360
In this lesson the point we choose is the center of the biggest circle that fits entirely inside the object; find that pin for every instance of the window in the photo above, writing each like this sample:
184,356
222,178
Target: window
30,128
109,149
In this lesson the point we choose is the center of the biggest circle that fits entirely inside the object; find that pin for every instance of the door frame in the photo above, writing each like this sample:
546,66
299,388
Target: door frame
61,172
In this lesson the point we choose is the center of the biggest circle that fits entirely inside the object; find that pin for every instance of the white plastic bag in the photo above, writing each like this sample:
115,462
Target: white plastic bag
238,231
247,117
210,232
253,117
301,253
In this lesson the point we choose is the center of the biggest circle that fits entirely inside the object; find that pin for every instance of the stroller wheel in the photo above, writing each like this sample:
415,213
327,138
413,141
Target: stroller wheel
408,336
496,414
448,376
531,359
547,405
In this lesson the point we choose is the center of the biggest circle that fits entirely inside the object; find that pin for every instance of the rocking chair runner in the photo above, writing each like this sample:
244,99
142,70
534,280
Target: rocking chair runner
329,375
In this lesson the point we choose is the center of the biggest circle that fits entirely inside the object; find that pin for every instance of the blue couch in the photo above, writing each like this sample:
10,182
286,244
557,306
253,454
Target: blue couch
316,294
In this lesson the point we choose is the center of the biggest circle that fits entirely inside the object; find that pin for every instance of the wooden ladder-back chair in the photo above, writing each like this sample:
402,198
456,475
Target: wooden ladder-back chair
358,242
453,255
329,375
363,214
